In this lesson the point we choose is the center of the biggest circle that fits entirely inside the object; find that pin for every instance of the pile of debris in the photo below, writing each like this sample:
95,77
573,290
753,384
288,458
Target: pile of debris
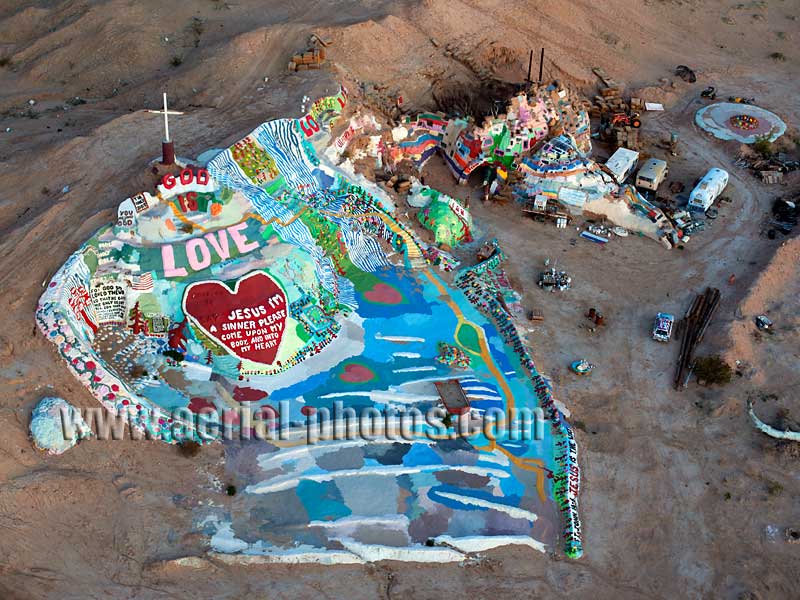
785,214
383,99
619,120
312,58
542,208
610,98
685,73
595,317
685,225
573,111
554,280
626,137
398,183
768,169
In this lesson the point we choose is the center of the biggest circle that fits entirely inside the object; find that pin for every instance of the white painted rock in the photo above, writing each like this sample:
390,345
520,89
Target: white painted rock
53,433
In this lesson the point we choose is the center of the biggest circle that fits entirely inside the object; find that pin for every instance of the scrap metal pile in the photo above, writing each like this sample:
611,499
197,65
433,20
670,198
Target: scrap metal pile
554,280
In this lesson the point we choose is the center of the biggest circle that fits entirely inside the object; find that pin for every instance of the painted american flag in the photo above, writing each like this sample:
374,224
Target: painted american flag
143,283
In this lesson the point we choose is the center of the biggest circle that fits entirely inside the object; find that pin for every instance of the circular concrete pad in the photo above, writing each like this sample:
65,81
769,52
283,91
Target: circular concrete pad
720,120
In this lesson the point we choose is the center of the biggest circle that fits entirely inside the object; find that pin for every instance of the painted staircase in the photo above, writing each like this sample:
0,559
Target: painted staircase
413,251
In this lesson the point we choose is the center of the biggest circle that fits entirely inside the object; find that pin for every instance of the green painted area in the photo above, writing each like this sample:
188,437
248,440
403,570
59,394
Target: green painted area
301,333
469,337
268,233
254,160
207,342
328,108
327,236
225,195
439,216
502,142
274,187
149,304
90,260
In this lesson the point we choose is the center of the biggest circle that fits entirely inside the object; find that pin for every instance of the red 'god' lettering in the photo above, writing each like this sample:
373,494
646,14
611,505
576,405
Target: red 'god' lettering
185,177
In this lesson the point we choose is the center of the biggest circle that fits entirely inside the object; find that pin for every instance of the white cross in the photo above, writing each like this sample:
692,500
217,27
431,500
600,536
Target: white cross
165,112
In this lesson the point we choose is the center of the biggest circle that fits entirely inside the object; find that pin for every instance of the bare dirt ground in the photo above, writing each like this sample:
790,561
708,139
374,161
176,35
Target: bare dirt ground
678,488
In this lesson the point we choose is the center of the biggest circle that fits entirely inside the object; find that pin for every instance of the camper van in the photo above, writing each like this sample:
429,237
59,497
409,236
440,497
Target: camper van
709,188
622,163
652,173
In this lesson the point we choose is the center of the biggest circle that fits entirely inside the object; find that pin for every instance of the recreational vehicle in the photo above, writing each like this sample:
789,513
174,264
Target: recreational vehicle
622,163
652,173
709,188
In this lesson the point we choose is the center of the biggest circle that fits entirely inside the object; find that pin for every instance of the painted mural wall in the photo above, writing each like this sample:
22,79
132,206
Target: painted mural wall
270,280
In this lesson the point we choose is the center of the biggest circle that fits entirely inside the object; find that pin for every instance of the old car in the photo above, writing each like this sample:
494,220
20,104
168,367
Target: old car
662,327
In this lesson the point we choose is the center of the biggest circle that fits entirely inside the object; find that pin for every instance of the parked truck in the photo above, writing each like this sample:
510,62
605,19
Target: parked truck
708,190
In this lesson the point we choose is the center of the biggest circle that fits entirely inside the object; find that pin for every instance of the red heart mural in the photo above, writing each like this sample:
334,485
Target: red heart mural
249,321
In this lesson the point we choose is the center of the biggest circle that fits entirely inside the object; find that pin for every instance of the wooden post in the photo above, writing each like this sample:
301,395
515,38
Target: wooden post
528,81
541,65
167,153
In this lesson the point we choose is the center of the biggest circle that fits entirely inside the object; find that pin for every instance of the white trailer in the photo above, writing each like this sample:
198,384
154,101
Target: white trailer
622,163
709,188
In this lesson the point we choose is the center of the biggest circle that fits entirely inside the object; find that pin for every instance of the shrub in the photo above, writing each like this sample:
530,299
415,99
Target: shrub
176,61
778,56
198,26
189,449
231,490
774,488
763,147
712,370
174,355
